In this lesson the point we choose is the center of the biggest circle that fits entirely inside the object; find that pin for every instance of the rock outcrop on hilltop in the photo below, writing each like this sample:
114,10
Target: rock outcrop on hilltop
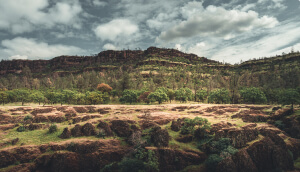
64,65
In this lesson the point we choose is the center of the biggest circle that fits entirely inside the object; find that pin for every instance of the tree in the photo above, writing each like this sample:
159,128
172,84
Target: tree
171,94
129,96
124,82
94,97
201,95
37,97
183,94
3,96
104,88
68,96
289,96
144,97
22,95
219,96
159,95
253,95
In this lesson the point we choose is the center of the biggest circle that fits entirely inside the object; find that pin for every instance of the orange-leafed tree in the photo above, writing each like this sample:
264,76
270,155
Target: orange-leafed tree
104,88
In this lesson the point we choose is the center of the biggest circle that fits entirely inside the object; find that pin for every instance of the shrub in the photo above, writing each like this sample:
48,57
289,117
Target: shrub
219,96
52,128
212,162
104,88
131,165
279,124
21,129
198,127
28,117
101,134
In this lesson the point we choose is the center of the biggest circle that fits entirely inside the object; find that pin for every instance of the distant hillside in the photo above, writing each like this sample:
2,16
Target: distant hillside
104,60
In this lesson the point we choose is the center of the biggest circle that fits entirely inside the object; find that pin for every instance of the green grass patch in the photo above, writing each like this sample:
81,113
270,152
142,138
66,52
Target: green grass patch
35,137
297,163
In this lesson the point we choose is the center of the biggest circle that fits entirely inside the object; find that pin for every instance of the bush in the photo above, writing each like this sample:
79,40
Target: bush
52,128
253,95
198,127
279,124
28,117
212,162
219,96
21,129
131,165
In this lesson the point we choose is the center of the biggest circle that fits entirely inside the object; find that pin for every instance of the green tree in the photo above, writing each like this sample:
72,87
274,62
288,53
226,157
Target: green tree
3,96
159,95
94,97
253,95
68,96
219,96
22,95
201,95
171,94
129,96
289,97
183,94
37,97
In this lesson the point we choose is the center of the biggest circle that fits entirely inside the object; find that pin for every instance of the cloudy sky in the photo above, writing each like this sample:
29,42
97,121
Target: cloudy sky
223,30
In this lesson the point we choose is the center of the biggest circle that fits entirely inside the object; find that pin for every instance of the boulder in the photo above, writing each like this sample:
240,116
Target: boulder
88,129
103,125
76,131
226,165
267,156
160,137
238,137
121,128
65,134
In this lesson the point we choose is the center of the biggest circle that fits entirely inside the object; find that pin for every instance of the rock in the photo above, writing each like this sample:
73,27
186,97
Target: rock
103,111
175,160
103,125
176,125
40,118
80,109
32,127
268,157
243,161
15,141
185,139
7,158
85,118
147,124
219,126
121,128
281,113
251,116
57,119
88,129
65,134
44,110
226,165
238,137
76,120
76,131
160,137
135,139
294,146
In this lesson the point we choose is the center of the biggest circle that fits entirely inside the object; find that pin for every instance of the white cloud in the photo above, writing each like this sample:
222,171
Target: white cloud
278,40
178,47
23,57
19,16
22,47
215,21
116,28
109,47
99,3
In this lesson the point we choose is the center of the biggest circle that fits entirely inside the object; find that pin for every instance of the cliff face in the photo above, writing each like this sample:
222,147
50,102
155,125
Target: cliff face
98,62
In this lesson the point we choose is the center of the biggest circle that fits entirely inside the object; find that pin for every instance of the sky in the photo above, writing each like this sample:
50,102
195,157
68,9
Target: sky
224,30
